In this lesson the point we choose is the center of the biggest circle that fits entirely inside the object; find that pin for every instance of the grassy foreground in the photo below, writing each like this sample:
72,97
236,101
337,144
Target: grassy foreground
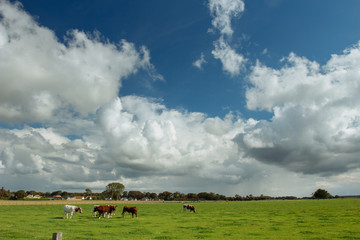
299,219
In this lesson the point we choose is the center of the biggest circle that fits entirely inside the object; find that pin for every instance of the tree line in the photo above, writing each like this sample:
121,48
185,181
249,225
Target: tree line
116,191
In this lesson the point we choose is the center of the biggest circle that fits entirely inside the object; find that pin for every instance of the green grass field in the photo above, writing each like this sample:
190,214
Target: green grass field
298,219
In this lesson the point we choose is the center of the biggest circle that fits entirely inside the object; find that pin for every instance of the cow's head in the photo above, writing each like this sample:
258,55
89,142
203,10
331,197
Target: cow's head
78,210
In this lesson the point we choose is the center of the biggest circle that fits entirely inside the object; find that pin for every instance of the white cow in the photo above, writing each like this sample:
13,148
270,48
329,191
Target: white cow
72,210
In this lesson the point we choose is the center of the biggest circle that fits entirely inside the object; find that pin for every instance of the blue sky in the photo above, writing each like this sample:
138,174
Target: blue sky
176,33
234,97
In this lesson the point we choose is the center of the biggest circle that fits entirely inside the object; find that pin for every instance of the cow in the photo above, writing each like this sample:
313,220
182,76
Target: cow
94,212
132,210
72,210
108,210
112,210
190,207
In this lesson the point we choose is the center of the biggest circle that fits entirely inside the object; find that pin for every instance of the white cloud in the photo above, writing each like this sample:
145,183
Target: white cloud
232,62
151,138
135,140
40,75
316,124
200,62
222,11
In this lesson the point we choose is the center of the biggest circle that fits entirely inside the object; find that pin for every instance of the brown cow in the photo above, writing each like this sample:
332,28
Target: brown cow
112,209
132,210
190,207
109,210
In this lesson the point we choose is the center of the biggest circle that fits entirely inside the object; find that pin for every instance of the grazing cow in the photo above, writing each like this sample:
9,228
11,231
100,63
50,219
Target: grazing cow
72,210
109,210
190,207
132,210
112,209
102,210
94,211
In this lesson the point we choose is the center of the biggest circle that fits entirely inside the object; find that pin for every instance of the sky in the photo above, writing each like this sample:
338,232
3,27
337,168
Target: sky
225,96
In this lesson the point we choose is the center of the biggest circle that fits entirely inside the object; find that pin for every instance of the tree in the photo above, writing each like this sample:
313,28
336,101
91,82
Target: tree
153,195
5,194
125,194
64,194
32,192
135,195
179,196
114,190
58,192
192,196
88,192
321,194
204,196
20,194
167,196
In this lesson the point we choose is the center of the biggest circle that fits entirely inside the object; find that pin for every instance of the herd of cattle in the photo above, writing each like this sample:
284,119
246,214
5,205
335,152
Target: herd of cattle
109,210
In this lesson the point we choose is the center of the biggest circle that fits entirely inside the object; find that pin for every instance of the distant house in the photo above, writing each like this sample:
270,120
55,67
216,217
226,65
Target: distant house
57,197
79,198
33,196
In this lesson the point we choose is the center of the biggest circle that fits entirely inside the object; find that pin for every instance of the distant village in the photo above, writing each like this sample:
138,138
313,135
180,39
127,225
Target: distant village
80,197
120,195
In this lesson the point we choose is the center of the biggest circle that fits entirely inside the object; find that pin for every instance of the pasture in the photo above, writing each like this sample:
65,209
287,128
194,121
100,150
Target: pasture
297,219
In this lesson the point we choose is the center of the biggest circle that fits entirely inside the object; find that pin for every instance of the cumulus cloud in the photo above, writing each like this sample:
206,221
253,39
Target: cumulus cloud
134,140
222,12
151,139
40,75
316,124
